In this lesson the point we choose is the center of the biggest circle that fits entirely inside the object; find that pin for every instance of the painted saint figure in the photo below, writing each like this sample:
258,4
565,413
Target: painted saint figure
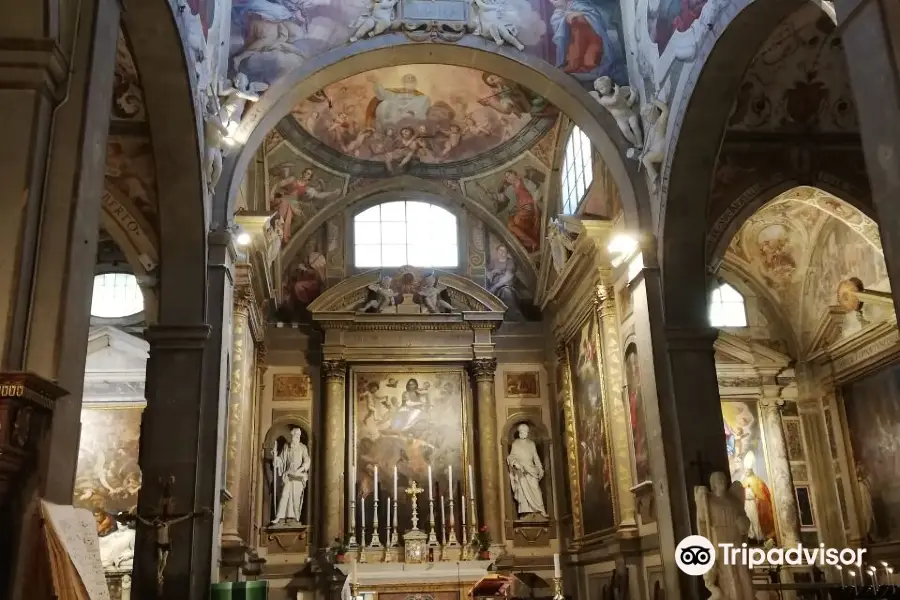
500,278
524,192
291,465
293,196
392,106
525,474
584,39
412,404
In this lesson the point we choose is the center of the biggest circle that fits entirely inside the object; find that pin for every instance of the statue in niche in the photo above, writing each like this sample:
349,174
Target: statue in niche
117,548
721,520
656,119
381,296
433,295
379,20
290,466
492,21
620,102
525,474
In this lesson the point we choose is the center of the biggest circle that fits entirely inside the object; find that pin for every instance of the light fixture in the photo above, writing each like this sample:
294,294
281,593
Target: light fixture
621,247
243,239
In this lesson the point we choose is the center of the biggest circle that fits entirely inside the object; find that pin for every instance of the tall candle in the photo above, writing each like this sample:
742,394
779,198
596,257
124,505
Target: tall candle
443,515
450,479
471,481
362,514
557,572
430,485
389,514
376,482
395,482
354,573
462,506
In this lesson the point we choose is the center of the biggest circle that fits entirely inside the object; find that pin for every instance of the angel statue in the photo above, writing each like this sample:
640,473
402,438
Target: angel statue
235,96
382,295
493,21
656,118
291,466
560,244
620,102
379,20
215,138
721,520
431,292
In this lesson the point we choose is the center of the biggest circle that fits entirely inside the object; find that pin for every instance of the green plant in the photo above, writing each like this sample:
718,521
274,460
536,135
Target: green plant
482,539
337,548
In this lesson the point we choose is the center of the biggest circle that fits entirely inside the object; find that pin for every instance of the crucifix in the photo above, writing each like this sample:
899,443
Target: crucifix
161,523
701,465
413,492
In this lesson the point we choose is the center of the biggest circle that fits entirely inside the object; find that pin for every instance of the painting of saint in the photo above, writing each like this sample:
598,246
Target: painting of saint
107,479
296,199
636,411
411,419
672,16
502,280
588,39
420,114
595,473
872,405
746,458
304,281
519,197
522,384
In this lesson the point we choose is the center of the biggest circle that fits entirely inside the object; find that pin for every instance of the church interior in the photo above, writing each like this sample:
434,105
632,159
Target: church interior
447,299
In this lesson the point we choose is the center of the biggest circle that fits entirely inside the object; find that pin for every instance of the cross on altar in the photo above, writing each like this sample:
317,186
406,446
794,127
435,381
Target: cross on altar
413,492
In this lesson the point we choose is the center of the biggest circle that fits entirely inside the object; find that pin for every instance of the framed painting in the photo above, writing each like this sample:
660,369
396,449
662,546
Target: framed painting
291,387
592,437
522,384
409,418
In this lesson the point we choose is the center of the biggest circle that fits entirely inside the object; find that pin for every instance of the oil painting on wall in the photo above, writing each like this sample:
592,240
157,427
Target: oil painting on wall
872,405
503,279
636,411
420,113
747,462
522,384
273,37
305,278
107,479
595,472
411,419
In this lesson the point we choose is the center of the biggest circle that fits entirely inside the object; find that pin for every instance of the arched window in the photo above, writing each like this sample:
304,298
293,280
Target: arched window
577,172
394,234
726,307
116,295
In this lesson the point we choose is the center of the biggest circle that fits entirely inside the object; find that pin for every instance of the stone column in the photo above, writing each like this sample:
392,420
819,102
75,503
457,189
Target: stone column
871,41
334,445
786,513
616,414
239,452
483,370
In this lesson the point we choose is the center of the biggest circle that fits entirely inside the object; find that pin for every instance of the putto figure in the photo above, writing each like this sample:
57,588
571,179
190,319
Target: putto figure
379,20
383,295
621,103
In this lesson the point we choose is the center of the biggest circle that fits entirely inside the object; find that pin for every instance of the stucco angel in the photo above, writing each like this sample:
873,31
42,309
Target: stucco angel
656,119
620,102
236,94
431,292
382,295
493,21
379,20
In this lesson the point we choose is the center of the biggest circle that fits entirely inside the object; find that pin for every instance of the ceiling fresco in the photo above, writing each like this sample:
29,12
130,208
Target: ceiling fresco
799,247
433,121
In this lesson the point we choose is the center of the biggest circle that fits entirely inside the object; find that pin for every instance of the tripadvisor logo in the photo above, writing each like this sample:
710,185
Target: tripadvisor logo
695,555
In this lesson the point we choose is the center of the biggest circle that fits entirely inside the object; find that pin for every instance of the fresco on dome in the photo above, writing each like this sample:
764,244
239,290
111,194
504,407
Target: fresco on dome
419,113
273,37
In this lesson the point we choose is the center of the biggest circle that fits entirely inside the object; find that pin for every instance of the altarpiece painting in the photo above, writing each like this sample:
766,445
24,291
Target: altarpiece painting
595,470
408,418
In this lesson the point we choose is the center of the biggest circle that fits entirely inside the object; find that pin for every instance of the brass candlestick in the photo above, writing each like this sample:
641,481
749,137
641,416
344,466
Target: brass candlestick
450,540
392,539
352,544
432,538
376,536
558,589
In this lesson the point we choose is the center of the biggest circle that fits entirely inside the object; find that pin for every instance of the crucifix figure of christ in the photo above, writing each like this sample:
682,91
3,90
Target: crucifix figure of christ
161,523
413,492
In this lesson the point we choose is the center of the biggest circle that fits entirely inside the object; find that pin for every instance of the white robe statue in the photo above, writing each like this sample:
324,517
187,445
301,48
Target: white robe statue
525,474
721,520
117,548
292,465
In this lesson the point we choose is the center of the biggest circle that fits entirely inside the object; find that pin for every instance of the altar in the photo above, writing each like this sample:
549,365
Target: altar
397,581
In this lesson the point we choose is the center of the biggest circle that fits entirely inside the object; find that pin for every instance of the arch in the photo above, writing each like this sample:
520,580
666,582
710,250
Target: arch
699,121
285,421
396,49
541,433
408,188
169,85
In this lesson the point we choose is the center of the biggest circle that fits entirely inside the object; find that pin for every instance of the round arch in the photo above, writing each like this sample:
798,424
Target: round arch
699,121
409,188
396,49
168,83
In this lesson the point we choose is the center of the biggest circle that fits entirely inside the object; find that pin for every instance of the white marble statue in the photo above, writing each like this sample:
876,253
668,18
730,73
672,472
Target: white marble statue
721,520
292,467
235,95
560,244
709,580
117,548
385,296
621,102
656,119
430,291
215,138
525,474
493,21
379,20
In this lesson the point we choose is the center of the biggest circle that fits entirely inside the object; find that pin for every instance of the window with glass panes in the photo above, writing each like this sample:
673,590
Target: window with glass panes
577,172
394,234
726,307
116,295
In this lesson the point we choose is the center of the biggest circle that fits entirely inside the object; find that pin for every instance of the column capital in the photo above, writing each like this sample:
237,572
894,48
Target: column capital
483,368
334,370
561,353
605,300
177,337
770,401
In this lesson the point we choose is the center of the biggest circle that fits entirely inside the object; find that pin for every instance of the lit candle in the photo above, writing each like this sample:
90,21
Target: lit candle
557,572
376,482
841,571
362,514
471,481
874,573
395,482
430,485
462,510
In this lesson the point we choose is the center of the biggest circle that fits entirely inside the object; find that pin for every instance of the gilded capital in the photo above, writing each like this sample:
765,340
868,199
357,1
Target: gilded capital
561,354
605,300
244,299
262,352
334,370
483,368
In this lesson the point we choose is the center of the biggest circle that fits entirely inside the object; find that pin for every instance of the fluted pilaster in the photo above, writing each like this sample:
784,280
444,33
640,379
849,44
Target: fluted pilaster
483,371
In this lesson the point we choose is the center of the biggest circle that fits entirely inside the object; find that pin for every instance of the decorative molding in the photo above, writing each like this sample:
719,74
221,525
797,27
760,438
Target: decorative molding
483,369
859,354
334,370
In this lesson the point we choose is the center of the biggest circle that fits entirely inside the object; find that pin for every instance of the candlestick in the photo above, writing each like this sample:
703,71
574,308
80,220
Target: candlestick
473,522
557,572
558,589
841,571
430,485
465,538
450,539
395,486
471,481
352,541
432,538
874,576
387,539
443,521
376,534
394,541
